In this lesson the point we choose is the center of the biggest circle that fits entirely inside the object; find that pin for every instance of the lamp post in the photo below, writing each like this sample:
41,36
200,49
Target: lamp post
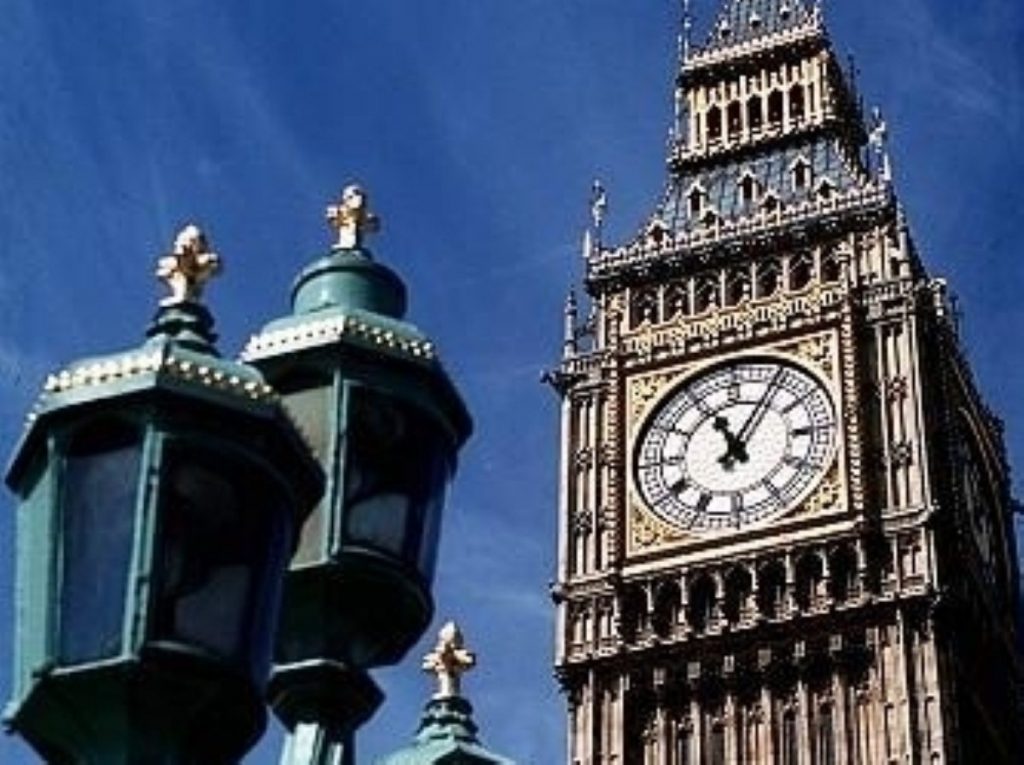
386,423
160,493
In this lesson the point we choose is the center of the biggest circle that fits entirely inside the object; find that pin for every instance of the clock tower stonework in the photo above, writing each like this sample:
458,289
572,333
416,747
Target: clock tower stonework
786,531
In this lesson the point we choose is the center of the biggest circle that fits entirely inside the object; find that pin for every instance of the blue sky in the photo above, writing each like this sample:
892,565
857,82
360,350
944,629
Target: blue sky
477,126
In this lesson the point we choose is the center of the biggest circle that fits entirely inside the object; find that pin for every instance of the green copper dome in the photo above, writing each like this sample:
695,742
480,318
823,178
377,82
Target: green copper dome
447,734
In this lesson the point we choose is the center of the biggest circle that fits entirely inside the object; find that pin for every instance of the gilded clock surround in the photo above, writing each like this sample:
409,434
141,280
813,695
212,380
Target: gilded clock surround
816,354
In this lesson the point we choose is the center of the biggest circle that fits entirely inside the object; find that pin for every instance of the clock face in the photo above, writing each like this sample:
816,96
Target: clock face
736,445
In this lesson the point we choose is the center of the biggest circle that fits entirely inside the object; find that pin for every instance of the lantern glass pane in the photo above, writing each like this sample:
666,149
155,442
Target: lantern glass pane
309,401
99,494
397,466
224,541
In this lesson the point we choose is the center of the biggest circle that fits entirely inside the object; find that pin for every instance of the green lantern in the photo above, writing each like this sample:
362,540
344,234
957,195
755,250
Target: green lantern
161,491
386,423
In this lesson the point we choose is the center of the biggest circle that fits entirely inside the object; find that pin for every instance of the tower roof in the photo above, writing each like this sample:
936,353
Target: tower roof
740,21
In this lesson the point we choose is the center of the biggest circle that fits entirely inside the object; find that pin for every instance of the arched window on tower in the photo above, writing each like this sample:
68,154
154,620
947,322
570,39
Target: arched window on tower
738,590
735,120
737,288
755,114
667,601
749,188
775,108
801,174
632,613
809,578
643,308
842,575
714,124
771,591
768,278
706,294
831,266
695,201
677,301
797,105
801,271
701,609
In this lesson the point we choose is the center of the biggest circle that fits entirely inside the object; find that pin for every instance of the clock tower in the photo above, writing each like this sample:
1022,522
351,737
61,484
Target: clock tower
785,517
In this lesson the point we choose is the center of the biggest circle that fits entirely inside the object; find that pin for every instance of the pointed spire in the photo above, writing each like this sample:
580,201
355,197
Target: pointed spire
687,35
879,140
598,207
571,314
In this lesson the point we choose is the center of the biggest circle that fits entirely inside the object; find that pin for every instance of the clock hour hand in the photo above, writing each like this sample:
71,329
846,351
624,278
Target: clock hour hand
735,451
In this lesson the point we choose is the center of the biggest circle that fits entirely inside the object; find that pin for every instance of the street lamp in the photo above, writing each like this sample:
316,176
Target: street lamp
386,423
160,491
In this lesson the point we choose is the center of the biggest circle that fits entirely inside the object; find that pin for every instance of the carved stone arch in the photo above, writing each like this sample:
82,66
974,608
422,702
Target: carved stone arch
771,590
797,103
801,172
801,271
755,113
769,278
842,566
714,124
696,199
832,262
776,108
750,187
677,300
738,288
825,188
633,613
734,120
706,297
701,602
810,578
737,607
710,217
643,307
667,603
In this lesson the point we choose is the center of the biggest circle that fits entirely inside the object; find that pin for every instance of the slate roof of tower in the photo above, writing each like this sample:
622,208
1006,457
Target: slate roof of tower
742,20
772,169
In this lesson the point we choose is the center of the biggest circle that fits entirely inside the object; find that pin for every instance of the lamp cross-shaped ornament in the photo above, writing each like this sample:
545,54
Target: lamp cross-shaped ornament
188,267
449,661
352,219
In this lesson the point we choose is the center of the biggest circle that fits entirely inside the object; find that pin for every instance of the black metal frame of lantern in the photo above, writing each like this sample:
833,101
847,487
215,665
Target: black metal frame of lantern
386,423
160,491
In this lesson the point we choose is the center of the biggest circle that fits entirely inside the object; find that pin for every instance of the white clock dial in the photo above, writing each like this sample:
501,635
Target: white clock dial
735,445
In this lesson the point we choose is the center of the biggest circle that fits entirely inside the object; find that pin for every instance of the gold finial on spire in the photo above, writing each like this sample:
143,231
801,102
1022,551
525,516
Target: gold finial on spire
351,218
449,661
188,267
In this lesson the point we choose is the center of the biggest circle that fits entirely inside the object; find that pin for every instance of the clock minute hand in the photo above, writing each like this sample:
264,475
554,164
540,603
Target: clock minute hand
761,409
